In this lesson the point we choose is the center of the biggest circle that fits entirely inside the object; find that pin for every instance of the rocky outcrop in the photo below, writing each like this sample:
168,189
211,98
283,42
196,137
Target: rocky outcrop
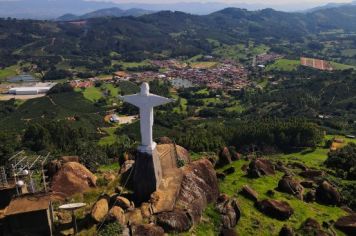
66,159
199,187
260,167
311,174
297,165
347,224
229,210
286,231
124,203
249,193
229,170
100,209
164,140
147,230
52,168
280,210
224,157
307,184
310,196
228,232
117,214
312,227
134,217
175,221
292,186
327,194
72,178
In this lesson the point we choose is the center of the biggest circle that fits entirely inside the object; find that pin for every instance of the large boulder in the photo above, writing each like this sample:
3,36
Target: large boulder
224,157
290,185
347,224
310,196
248,192
280,210
198,188
66,159
147,230
229,210
183,154
164,140
100,209
312,227
228,232
72,178
286,231
52,168
311,174
327,194
117,214
134,217
260,167
180,151
174,221
123,202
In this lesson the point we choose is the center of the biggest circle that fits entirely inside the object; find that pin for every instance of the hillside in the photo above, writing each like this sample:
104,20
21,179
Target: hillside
109,12
171,34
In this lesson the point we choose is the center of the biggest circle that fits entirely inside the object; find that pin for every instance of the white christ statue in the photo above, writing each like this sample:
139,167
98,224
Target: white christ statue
146,101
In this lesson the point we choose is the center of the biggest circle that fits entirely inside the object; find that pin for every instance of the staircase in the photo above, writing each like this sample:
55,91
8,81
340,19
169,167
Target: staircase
165,197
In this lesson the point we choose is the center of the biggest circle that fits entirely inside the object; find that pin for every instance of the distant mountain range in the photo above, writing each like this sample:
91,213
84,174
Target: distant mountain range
329,5
108,12
52,9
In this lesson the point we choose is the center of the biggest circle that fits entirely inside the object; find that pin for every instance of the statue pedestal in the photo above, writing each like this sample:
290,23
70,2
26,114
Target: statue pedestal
147,174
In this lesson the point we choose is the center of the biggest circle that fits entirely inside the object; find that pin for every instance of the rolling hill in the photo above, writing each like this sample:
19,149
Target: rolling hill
108,12
169,34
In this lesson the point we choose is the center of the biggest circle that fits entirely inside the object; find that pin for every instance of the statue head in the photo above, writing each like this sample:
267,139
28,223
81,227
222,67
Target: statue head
145,89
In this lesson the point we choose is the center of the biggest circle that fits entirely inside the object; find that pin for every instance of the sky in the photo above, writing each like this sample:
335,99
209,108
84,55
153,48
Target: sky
282,2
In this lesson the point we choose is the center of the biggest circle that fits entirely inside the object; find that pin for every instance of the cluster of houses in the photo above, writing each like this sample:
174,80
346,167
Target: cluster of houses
223,76
264,58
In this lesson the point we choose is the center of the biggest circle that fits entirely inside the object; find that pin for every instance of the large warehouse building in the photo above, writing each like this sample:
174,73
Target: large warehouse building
35,90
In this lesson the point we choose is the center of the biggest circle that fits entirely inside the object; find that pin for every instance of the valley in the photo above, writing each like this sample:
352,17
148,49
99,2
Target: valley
258,137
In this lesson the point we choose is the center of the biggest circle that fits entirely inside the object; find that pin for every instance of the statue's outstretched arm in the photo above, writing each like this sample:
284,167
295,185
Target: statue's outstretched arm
156,100
132,99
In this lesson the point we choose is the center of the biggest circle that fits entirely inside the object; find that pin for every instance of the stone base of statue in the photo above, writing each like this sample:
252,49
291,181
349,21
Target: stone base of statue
147,174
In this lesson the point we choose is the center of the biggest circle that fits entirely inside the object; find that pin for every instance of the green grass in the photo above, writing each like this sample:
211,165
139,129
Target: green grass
8,72
204,64
284,65
111,167
182,108
253,222
240,52
338,66
127,65
110,138
237,107
310,157
92,94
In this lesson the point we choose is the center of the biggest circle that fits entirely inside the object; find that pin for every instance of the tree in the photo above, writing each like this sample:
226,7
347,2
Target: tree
8,145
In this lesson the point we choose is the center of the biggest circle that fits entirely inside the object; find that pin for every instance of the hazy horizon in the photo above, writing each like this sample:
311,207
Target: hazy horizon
50,9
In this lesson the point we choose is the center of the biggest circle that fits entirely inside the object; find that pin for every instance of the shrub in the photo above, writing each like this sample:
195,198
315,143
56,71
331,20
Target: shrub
112,229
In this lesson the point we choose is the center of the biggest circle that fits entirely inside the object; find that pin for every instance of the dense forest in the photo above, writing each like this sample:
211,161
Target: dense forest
166,34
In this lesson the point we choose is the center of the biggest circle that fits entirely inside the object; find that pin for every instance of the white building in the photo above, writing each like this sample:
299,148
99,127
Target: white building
29,90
